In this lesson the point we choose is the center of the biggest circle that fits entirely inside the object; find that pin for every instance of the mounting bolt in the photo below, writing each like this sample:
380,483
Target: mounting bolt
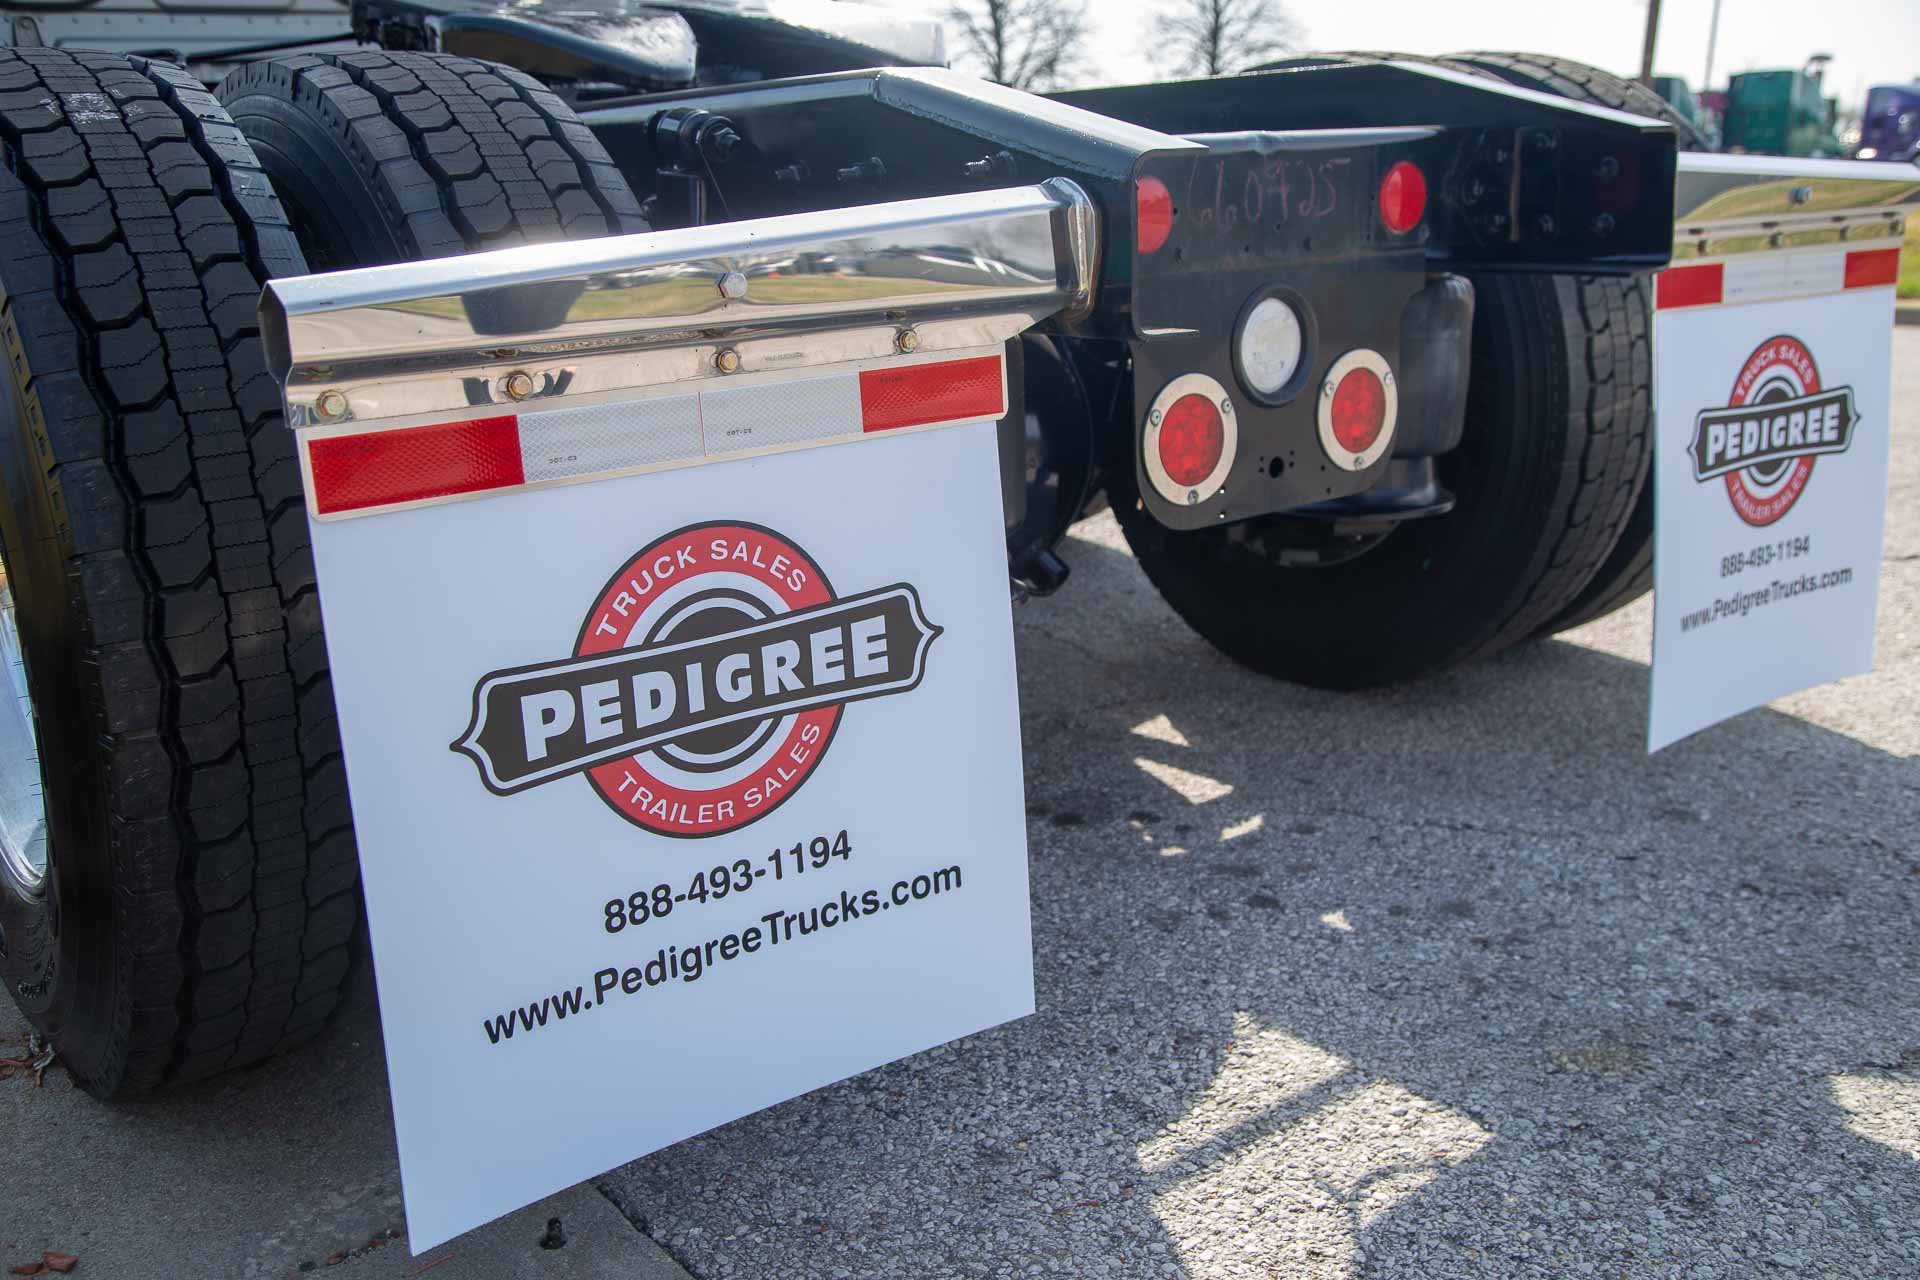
1226,405
331,405
518,385
906,342
1154,417
733,285
1601,226
726,360
1608,169
1544,224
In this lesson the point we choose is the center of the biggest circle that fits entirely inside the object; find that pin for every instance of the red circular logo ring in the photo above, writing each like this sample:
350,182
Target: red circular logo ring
704,580
1780,368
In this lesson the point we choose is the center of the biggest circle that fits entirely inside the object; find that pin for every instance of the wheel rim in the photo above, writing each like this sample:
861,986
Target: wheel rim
23,811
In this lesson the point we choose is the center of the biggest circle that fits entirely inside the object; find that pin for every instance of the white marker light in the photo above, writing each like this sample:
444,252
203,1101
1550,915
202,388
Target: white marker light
1269,346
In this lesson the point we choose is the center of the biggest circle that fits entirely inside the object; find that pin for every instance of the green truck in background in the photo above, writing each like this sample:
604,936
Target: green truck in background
1781,113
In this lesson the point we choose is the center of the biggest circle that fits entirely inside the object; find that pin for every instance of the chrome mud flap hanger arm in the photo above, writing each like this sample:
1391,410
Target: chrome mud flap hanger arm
584,322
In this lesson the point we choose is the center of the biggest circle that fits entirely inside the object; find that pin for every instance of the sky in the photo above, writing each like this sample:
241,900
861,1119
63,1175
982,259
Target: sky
1872,41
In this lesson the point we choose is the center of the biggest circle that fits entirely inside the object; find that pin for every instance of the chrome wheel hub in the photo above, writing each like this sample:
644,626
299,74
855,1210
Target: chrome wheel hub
23,811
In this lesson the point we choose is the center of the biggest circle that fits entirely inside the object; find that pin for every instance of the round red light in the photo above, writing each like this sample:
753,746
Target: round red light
1154,214
1359,410
1403,197
1192,437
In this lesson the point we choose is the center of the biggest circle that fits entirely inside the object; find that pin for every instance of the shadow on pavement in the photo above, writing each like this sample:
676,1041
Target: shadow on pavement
1448,980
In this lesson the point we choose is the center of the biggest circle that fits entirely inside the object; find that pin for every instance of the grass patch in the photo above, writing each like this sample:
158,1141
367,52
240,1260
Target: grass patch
1910,261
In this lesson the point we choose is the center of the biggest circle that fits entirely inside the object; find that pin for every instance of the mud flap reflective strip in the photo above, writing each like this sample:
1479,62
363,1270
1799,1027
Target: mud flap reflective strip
1786,274
358,472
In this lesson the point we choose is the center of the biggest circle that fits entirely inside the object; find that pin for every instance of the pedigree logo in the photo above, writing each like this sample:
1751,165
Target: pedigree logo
705,685
1778,419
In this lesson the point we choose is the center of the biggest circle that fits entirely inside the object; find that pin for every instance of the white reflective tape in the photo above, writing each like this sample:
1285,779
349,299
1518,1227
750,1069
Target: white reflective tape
1753,277
771,415
561,444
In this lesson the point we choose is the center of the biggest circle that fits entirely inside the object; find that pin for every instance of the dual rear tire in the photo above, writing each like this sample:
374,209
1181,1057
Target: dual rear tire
1553,524
183,898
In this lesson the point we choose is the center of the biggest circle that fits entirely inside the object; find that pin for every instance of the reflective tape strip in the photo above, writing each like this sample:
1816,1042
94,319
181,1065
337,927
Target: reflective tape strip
955,390
1758,277
352,472
414,464
1690,286
565,444
1871,268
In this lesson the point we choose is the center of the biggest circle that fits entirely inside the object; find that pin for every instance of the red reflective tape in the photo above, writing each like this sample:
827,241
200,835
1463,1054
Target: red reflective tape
1869,267
379,468
1690,286
948,391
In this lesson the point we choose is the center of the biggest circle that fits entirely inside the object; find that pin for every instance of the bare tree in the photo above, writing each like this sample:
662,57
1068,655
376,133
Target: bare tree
1217,37
1028,44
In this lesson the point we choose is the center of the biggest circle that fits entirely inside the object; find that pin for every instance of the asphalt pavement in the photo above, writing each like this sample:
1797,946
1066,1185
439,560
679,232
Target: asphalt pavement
1450,980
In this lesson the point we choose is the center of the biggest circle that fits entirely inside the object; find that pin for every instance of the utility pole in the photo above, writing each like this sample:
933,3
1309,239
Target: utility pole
1713,38
1646,48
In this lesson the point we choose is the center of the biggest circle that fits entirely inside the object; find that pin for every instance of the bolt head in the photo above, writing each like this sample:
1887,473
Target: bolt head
907,341
518,385
733,285
1226,405
1154,417
727,360
331,405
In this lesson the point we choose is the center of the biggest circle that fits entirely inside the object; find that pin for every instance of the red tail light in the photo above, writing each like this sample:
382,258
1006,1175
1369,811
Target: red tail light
1359,410
1188,440
1192,437
1403,197
1358,407
1153,218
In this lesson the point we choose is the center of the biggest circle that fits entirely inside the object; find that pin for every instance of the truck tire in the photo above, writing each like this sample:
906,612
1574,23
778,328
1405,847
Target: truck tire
1545,476
394,157
196,906
1627,572
1566,78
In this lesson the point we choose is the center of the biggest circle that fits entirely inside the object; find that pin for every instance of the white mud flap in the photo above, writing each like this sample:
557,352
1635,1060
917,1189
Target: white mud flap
680,719
1773,362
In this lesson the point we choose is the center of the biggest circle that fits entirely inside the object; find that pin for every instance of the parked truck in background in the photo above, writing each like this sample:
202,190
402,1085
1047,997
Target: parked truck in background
1780,113
1890,125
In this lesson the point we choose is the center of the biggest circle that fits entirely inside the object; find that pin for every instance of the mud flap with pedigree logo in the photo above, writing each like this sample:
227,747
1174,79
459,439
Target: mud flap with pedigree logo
678,793
1772,385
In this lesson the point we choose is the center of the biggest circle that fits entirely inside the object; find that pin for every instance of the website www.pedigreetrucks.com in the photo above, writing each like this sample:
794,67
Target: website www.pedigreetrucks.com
1741,603
689,962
